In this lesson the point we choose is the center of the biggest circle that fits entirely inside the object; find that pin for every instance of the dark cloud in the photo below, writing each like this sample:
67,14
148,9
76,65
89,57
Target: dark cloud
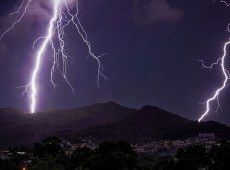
150,11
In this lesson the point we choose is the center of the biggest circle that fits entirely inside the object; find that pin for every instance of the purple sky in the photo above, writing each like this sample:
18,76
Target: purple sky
152,46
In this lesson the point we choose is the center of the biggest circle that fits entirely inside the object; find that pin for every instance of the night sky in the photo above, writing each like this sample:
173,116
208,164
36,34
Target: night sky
152,49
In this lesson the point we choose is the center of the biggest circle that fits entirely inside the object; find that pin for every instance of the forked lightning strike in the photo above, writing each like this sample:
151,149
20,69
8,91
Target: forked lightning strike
225,72
61,18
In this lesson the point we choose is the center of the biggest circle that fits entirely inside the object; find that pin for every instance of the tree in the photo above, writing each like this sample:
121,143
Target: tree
81,158
164,163
115,155
192,157
48,163
220,156
51,146
8,165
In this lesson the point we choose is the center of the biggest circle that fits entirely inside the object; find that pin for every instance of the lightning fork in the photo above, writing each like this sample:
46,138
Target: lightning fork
226,77
225,72
19,19
61,18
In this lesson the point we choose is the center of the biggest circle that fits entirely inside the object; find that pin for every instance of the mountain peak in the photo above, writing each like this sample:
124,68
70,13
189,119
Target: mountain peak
110,103
149,108
109,107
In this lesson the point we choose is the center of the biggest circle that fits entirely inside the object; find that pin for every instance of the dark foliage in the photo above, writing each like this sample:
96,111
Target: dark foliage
50,155
81,157
109,155
197,157
51,146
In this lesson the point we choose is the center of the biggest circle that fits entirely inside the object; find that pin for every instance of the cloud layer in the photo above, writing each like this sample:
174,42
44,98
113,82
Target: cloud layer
150,11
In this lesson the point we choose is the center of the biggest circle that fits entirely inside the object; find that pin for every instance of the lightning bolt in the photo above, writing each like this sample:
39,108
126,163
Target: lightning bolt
62,17
225,72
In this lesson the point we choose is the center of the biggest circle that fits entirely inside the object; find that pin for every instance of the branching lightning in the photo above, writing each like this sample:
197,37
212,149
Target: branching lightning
19,19
62,17
221,61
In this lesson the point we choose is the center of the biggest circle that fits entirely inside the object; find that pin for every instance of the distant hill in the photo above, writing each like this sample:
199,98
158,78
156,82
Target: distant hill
103,121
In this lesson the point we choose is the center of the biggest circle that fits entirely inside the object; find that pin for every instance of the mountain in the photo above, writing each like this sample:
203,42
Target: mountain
102,121
17,127
152,123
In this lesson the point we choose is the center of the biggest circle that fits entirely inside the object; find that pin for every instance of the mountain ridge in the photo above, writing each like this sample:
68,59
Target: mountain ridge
101,121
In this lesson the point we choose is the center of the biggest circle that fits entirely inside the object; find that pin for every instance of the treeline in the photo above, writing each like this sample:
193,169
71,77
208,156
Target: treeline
51,155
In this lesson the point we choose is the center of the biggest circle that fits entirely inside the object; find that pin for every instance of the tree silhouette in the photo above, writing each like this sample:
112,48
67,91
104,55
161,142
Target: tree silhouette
51,146
192,157
116,155
220,156
81,158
